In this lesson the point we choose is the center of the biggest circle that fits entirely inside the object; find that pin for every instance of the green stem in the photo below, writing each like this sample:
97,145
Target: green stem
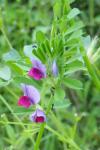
18,123
62,138
92,72
39,136
49,105
11,92
6,38
11,110
42,126
3,30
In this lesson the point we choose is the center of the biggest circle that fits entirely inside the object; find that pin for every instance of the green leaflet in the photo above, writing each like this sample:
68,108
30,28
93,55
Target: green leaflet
73,13
5,73
40,37
59,94
29,81
72,83
12,55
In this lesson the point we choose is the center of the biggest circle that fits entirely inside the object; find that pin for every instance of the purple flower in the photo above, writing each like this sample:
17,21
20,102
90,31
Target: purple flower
38,116
38,71
31,96
54,69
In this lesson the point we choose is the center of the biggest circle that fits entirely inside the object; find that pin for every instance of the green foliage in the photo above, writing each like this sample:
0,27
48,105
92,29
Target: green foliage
5,73
12,55
73,13
59,94
72,83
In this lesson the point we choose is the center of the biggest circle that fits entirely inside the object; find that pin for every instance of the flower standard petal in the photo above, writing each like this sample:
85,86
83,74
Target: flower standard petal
38,116
54,69
36,62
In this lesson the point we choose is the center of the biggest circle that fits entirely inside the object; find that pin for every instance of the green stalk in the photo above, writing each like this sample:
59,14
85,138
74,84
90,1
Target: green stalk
92,72
6,38
3,30
15,123
39,136
11,92
62,138
49,105
42,126
11,110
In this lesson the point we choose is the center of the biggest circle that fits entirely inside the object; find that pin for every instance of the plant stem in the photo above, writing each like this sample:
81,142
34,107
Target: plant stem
90,68
6,38
11,92
11,110
39,136
43,126
92,72
62,138
49,105
3,30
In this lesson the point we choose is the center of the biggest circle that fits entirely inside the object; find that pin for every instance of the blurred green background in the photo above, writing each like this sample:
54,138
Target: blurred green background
21,19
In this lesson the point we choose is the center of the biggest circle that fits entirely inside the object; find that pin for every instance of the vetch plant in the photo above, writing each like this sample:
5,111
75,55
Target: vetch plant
48,72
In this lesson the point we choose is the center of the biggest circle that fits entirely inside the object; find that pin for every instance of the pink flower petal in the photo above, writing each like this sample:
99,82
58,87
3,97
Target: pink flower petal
24,101
36,74
39,119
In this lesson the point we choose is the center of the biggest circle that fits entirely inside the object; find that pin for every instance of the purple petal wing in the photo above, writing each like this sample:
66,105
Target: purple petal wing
36,62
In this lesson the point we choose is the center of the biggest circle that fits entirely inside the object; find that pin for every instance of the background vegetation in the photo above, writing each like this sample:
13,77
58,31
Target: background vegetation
19,22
